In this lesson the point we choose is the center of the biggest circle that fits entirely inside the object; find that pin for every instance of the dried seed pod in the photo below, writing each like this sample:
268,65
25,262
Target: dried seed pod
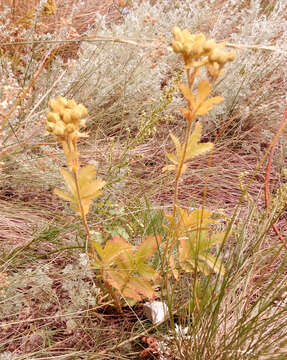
188,48
197,48
231,55
177,46
55,105
76,114
213,69
214,55
63,101
209,45
177,34
83,122
83,110
70,128
59,130
187,35
67,116
71,104
50,127
222,58
53,117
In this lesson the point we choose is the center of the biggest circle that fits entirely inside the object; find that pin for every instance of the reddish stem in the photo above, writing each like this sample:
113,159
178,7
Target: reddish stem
267,177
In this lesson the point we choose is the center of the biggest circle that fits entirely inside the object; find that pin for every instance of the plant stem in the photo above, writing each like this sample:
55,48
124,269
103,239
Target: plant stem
95,254
83,215
72,148
172,236
190,79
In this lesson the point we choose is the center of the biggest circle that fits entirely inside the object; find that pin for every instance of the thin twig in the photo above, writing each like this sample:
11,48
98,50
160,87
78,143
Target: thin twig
91,38
255,47
141,43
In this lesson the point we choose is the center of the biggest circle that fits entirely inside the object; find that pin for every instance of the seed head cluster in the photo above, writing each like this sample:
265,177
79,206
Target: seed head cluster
66,118
65,121
197,51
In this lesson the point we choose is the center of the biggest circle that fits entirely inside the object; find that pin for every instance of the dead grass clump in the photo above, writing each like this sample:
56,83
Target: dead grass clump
18,225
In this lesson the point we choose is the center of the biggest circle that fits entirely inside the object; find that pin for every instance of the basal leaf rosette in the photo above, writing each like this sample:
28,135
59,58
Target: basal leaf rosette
125,267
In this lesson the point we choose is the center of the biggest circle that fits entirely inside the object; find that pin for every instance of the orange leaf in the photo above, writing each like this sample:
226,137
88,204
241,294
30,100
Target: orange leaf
148,247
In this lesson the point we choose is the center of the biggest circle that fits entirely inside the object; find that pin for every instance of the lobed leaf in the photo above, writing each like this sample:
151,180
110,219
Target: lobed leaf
140,287
200,241
208,105
172,158
147,272
194,138
203,92
111,253
218,238
196,219
177,145
65,195
184,251
69,179
87,174
194,148
120,281
92,190
187,94
147,248
199,149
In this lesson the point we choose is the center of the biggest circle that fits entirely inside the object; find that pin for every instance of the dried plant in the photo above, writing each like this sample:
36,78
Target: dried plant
227,296
190,233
